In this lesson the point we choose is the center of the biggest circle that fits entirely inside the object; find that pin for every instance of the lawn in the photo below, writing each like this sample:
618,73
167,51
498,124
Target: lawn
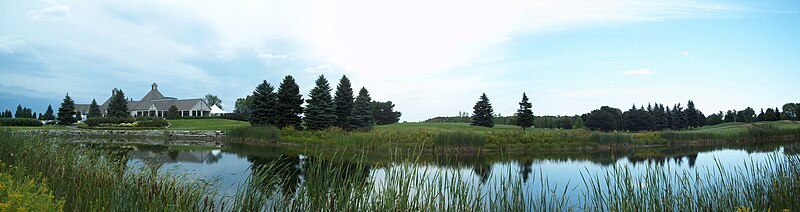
741,127
205,124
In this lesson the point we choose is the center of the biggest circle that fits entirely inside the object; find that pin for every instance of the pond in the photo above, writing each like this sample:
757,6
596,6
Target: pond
557,171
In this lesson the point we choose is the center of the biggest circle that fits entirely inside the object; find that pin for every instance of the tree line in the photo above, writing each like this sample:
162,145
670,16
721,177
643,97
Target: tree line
284,108
654,117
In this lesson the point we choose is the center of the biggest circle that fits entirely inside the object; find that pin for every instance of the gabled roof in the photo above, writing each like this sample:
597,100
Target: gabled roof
152,95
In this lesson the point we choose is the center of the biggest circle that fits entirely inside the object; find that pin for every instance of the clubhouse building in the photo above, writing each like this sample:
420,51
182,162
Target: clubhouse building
155,104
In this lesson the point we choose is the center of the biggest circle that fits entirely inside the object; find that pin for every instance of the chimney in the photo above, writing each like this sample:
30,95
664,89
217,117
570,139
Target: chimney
155,86
114,91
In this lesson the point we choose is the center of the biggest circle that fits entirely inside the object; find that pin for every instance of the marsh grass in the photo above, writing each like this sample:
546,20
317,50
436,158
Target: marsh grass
97,179
459,139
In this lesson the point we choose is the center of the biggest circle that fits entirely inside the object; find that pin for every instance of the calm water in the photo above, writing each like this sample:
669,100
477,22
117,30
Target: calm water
232,165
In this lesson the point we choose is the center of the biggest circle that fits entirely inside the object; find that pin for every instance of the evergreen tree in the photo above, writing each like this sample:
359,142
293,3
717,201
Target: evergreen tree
7,114
48,115
601,120
18,113
362,111
524,113
264,101
692,118
578,123
701,118
483,113
172,113
94,109
760,116
679,119
66,112
118,105
319,110
778,114
383,113
343,104
289,104
78,116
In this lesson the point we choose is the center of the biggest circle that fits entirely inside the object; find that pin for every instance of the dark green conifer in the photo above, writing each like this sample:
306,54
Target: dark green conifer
263,111
319,110
524,113
343,104
289,104
483,114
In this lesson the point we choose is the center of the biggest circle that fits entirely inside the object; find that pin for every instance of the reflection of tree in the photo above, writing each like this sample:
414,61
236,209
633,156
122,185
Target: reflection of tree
483,170
793,149
692,159
213,158
285,168
525,169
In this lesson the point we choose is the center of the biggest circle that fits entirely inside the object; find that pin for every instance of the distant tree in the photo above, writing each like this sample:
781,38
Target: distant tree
343,104
94,109
66,113
635,119
760,116
244,106
319,109
747,115
263,111
483,113
715,119
770,115
7,114
212,100
173,112
78,116
19,113
383,113
48,115
289,104
701,118
679,118
578,123
40,117
778,114
362,112
692,118
524,113
602,120
791,111
730,116
118,105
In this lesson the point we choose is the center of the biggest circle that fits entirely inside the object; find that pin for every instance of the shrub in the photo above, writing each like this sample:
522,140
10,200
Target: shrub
154,122
20,122
97,121
19,192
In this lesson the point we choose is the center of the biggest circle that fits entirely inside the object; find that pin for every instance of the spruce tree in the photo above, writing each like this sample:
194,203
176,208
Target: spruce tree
289,104
118,105
66,112
362,111
383,113
343,104
483,113
524,113
48,115
263,111
18,113
94,109
319,110
691,115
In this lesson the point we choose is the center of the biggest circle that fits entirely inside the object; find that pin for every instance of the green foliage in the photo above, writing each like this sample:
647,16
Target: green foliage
483,113
7,114
22,122
343,105
524,113
319,110
253,134
715,119
289,104
748,115
383,113
173,112
362,112
78,116
94,109
19,192
152,123
212,100
263,110
118,105
578,123
106,121
611,138
692,115
66,113
636,119
244,107
48,115
791,111
459,139
24,113
606,119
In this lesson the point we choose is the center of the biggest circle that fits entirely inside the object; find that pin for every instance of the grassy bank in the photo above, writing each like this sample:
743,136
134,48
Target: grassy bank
442,136
97,179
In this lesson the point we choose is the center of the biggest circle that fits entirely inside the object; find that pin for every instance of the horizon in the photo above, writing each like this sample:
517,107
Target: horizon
569,57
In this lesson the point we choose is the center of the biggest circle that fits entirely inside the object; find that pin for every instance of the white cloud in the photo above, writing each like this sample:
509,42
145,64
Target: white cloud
270,56
320,69
50,13
685,53
5,49
641,71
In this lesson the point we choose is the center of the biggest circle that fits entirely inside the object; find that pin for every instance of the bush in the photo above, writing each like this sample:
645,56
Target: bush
20,122
154,122
97,121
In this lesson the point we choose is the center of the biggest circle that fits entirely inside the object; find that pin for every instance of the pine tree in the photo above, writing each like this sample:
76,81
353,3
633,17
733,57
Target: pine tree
483,113
524,113
691,115
319,110
48,115
362,111
66,112
78,116
383,113
118,105
263,111
343,104
289,104
94,109
18,113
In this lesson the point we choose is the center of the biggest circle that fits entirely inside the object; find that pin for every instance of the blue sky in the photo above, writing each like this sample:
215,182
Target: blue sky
429,58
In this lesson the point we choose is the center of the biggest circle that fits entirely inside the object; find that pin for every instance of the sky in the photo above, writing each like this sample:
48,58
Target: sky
430,58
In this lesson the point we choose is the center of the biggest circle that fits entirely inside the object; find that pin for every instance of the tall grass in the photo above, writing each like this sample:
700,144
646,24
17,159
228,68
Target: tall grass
459,139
